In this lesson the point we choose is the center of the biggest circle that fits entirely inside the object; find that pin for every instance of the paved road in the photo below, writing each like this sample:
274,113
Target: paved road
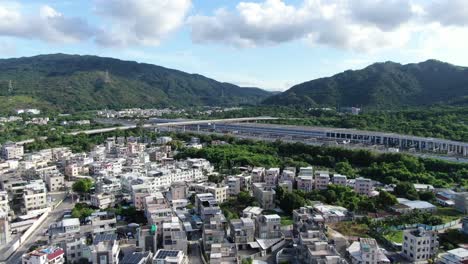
38,234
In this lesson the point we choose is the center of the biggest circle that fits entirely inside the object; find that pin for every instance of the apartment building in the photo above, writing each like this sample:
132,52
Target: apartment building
339,179
264,194
163,256
305,183
11,150
461,202
271,176
109,185
46,255
178,190
234,185
288,174
321,180
137,258
174,236
102,200
245,181
105,249
366,250
306,171
419,245
242,231
219,191
103,223
214,231
223,253
258,174
54,182
455,256
206,205
268,226
34,196
4,226
363,186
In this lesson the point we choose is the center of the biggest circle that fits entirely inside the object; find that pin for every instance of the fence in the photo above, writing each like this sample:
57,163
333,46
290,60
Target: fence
426,227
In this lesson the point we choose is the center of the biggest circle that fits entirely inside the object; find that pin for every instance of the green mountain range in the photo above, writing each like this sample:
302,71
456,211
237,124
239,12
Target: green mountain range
383,85
73,82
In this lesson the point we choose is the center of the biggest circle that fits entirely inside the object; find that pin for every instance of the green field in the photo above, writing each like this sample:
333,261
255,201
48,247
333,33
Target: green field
351,229
395,236
448,214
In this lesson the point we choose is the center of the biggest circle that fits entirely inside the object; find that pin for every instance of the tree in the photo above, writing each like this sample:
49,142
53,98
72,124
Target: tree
291,201
385,199
81,210
82,186
407,190
345,168
427,196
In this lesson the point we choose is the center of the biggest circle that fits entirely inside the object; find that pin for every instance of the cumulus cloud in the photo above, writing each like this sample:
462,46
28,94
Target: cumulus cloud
45,24
146,22
449,12
385,14
339,23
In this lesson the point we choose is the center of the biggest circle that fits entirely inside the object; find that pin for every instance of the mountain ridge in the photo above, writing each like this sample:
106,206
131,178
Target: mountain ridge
381,85
84,82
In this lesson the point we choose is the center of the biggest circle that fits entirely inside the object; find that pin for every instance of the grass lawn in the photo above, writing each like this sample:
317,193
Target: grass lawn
395,236
448,214
351,228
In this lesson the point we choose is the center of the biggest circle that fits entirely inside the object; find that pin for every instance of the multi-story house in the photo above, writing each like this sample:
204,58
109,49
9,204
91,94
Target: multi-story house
54,182
214,231
242,231
271,176
174,236
366,250
461,202
321,180
102,200
419,245
234,185
34,196
305,183
219,191
46,255
339,179
206,205
363,186
258,174
268,226
103,223
105,249
164,256
264,194
11,150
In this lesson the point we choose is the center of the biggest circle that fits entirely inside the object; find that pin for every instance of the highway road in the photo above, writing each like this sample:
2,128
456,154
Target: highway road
38,234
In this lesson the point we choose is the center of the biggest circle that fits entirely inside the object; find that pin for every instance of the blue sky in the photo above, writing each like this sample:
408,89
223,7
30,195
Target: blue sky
272,44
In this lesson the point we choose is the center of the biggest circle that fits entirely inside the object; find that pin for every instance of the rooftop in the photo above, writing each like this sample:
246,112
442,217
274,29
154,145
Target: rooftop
134,258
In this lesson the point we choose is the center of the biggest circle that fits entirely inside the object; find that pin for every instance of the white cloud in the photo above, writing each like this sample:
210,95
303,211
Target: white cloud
448,12
141,22
45,24
338,23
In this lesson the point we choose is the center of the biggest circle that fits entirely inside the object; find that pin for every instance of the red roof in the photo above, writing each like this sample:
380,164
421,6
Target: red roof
56,253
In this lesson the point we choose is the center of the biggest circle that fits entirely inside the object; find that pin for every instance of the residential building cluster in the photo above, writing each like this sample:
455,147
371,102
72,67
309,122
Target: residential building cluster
149,207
